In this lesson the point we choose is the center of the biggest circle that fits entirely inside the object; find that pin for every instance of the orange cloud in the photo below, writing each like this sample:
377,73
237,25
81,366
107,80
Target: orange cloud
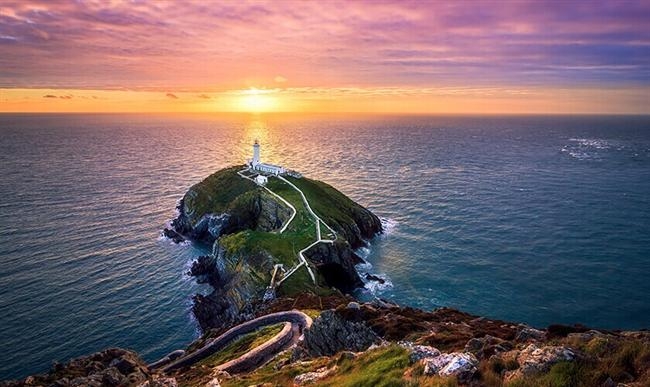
376,51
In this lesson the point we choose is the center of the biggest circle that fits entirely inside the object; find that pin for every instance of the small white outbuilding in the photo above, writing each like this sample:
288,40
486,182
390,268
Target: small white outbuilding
261,180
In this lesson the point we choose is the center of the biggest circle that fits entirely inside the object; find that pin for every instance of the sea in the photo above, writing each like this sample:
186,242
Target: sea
533,219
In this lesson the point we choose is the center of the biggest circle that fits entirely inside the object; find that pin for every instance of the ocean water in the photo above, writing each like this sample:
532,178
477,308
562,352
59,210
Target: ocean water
526,218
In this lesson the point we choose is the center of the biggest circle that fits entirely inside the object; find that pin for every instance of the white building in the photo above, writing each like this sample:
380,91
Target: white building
256,165
261,179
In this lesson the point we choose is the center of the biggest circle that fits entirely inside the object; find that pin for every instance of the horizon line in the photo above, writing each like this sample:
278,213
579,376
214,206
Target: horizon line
327,113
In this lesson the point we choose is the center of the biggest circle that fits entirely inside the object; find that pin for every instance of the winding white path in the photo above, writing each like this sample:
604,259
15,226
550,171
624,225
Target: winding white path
295,323
317,221
316,217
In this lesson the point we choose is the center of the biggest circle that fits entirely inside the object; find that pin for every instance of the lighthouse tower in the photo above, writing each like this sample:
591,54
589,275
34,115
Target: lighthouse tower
256,154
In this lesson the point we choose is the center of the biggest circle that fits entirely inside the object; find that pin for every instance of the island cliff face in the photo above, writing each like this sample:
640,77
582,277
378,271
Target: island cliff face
242,222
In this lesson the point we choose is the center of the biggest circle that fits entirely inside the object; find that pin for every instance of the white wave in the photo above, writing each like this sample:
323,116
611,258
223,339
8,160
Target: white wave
363,252
576,154
376,287
596,143
388,225
363,267
585,148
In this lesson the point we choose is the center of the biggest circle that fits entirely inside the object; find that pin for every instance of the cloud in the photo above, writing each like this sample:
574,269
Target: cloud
159,46
204,96
172,96
67,96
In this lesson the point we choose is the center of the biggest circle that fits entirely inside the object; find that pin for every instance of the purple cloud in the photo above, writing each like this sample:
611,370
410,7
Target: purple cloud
162,46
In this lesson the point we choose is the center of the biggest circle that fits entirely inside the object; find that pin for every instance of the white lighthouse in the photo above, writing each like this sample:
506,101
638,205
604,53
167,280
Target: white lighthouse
257,165
256,154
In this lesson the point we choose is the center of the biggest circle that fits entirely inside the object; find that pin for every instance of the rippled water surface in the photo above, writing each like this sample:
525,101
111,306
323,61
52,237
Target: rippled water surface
534,219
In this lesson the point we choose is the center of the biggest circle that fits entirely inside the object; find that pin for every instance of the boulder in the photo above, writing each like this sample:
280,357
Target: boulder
462,365
353,305
487,346
111,367
213,383
526,333
534,360
312,377
160,381
419,352
330,333
173,235
205,270
372,277
585,336
113,377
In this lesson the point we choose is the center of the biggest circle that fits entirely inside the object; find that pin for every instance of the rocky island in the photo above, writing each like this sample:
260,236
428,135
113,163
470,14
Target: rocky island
279,314
258,235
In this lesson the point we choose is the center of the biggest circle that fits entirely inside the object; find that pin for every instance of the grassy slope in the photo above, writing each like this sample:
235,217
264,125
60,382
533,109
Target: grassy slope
217,191
283,247
380,367
326,201
243,345
623,360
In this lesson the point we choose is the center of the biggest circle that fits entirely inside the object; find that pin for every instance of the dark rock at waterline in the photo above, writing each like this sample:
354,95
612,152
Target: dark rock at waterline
173,235
205,271
335,261
372,277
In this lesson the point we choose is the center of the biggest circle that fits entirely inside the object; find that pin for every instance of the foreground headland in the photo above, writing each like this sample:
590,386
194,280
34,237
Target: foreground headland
281,268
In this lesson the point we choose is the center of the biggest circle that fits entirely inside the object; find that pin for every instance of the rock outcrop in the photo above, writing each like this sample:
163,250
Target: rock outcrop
225,203
330,334
111,367
462,365
237,284
336,262
535,360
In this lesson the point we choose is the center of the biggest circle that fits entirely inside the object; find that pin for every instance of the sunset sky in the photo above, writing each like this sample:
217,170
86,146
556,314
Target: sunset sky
348,56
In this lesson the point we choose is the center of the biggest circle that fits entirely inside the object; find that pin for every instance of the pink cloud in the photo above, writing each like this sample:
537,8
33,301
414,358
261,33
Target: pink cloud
220,45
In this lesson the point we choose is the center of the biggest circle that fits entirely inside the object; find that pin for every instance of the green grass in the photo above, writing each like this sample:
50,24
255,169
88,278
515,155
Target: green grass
303,223
216,192
623,363
381,367
242,345
283,247
270,374
327,202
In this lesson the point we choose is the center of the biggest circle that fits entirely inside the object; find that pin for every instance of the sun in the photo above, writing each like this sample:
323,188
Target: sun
257,101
